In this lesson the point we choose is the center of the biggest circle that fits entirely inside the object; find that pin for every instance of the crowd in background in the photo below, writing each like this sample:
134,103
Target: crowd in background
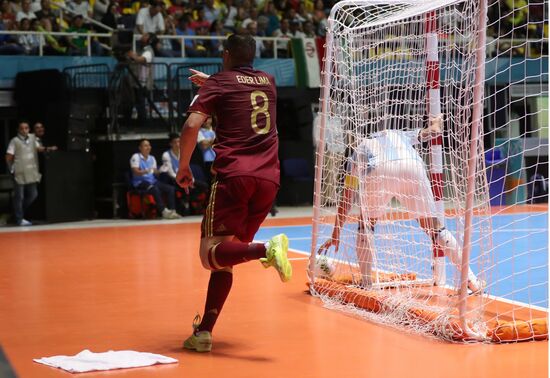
263,18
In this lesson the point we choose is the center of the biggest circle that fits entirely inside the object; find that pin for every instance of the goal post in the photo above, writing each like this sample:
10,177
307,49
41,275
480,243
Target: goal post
408,233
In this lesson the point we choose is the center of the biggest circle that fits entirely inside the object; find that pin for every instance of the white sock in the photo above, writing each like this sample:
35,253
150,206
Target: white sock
364,250
448,243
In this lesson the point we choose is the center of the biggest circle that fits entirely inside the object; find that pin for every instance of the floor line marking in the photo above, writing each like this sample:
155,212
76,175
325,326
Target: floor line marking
493,297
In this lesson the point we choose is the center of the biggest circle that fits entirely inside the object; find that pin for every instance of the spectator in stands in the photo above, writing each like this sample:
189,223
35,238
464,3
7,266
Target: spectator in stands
177,9
308,29
202,45
216,45
144,177
270,12
46,11
25,11
167,45
128,9
199,21
80,7
211,13
110,18
252,29
184,29
100,8
15,6
517,14
295,31
8,43
77,45
303,15
30,42
41,141
293,16
252,17
282,45
52,45
150,19
6,11
262,23
229,12
282,6
205,141
22,162
320,19
242,14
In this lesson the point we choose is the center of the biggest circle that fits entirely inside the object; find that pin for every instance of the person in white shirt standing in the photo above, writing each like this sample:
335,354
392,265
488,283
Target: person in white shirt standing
150,19
25,11
22,162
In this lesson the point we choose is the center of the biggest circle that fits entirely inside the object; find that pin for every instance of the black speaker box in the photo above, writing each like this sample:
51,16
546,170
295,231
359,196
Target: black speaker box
42,96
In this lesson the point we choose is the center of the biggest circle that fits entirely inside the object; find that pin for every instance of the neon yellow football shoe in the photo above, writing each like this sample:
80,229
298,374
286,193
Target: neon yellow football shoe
198,341
276,256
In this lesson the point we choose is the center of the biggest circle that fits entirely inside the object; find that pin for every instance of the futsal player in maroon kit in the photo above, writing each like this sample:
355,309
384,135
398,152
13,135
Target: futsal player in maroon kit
247,176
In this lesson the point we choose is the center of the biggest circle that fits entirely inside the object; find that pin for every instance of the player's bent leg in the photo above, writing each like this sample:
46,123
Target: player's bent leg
447,242
261,201
218,252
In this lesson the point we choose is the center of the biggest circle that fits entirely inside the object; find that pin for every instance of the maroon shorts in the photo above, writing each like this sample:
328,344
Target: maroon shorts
238,206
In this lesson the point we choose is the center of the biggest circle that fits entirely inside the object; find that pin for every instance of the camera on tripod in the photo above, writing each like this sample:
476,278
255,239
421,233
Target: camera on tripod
122,43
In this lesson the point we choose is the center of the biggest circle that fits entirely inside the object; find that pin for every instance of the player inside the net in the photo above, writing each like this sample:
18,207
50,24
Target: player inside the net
385,165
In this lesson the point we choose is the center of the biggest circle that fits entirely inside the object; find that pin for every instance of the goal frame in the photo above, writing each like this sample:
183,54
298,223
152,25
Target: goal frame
474,135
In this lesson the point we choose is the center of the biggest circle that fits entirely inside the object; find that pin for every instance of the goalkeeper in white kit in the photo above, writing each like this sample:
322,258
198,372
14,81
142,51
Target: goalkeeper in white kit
386,165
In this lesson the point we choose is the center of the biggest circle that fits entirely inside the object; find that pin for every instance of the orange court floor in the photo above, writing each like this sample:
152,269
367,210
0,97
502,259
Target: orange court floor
139,287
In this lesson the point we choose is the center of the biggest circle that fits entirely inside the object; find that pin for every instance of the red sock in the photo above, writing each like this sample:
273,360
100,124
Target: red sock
218,290
233,253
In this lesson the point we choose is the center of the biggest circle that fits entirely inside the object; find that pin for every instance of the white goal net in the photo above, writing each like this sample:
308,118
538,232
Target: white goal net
430,208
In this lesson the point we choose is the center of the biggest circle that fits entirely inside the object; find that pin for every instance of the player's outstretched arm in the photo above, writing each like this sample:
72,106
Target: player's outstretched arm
188,140
198,78
343,208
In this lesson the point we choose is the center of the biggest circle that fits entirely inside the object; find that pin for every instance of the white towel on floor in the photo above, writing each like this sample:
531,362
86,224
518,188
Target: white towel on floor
89,361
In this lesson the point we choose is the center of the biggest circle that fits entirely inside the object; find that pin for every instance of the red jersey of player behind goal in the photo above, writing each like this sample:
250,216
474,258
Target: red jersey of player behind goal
243,101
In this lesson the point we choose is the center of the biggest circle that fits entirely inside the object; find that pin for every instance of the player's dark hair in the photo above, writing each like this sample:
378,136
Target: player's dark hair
173,136
242,48
143,140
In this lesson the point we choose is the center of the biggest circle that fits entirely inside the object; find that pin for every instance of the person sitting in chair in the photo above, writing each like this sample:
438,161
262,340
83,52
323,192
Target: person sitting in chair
144,177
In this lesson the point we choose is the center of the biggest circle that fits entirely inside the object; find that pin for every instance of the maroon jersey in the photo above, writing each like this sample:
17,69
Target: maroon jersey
244,103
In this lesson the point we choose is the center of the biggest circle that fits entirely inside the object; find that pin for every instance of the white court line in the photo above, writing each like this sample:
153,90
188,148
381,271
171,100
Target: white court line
517,303
493,297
